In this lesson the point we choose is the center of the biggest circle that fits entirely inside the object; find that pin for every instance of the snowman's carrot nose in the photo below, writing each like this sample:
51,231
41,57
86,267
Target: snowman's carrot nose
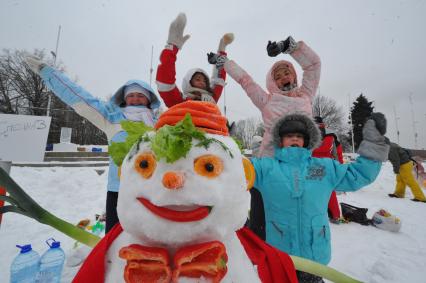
173,180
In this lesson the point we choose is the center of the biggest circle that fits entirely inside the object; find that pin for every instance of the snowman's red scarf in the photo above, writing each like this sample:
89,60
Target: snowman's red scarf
272,264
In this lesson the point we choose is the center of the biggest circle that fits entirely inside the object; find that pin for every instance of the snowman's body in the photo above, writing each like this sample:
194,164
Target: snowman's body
240,268
225,193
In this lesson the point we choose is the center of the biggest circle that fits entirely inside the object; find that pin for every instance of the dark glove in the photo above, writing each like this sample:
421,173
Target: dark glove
380,121
216,59
285,46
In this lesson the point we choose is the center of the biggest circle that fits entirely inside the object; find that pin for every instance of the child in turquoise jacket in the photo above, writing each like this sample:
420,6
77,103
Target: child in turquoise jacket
296,187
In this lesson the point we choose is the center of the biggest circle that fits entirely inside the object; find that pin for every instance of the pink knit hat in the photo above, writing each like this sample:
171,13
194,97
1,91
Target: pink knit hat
286,66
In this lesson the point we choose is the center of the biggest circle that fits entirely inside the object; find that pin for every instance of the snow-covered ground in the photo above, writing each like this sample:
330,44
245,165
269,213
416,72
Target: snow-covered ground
364,252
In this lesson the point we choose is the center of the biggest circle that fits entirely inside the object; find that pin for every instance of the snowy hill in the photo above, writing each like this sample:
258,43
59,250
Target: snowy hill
364,252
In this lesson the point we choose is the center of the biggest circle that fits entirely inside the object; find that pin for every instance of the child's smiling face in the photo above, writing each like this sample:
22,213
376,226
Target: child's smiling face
284,78
136,98
198,80
292,139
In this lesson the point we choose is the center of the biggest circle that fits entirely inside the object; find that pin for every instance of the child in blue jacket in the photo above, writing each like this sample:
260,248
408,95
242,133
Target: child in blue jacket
134,101
296,187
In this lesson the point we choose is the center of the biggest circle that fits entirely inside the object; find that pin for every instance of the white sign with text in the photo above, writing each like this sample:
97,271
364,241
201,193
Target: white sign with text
23,137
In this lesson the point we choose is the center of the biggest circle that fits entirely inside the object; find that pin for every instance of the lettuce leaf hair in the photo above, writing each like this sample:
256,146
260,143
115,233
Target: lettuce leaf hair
169,142
135,130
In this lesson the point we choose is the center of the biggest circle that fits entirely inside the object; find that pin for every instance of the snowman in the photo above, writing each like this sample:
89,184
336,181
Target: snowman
182,204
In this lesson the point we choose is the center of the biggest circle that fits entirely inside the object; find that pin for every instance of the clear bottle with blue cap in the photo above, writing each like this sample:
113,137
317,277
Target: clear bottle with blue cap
25,265
51,263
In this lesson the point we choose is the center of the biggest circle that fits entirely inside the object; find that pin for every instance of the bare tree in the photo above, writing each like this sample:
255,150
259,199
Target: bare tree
7,96
23,92
332,114
246,129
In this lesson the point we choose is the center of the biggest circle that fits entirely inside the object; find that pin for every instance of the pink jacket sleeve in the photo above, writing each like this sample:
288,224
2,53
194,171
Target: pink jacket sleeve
253,90
311,66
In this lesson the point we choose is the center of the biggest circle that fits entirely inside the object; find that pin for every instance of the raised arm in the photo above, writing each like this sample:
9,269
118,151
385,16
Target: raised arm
257,95
372,151
219,74
102,114
311,66
307,59
166,71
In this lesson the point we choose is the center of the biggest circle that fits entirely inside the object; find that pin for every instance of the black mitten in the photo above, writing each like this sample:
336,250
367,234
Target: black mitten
217,59
274,48
212,58
285,46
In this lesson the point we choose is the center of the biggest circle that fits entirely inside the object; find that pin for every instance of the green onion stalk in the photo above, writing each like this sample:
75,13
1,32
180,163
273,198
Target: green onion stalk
321,270
20,202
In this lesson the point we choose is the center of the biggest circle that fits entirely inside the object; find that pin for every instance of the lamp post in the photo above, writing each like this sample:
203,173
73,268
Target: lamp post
352,126
396,124
55,55
224,100
151,69
410,97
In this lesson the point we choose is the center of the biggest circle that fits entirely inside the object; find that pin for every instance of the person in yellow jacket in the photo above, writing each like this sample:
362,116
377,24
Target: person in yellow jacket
403,168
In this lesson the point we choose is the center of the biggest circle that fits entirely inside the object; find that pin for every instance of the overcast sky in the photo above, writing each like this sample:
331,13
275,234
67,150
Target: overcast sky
374,47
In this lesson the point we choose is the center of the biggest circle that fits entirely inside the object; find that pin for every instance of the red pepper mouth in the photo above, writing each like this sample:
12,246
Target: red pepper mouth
179,213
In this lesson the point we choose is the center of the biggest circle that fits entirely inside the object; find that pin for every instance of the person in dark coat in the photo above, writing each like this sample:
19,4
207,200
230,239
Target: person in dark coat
403,168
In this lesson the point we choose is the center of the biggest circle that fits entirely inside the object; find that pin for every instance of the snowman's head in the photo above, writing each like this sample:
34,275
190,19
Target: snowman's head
180,185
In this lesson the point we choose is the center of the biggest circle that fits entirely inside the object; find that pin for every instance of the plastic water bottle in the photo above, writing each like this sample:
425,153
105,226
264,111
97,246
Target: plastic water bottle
25,266
51,263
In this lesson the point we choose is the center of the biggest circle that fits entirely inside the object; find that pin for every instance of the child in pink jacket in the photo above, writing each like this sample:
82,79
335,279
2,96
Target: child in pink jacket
284,94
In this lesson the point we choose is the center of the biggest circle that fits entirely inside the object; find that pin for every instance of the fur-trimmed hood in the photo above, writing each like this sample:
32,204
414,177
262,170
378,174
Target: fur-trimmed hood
118,97
311,128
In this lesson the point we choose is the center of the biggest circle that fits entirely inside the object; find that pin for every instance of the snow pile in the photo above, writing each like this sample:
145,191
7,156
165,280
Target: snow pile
69,193
364,252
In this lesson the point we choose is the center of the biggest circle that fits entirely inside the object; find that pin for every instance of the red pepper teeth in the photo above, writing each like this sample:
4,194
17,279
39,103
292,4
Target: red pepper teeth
177,213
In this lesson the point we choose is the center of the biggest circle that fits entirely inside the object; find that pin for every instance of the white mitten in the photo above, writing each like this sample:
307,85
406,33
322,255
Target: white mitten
208,98
176,36
226,39
34,63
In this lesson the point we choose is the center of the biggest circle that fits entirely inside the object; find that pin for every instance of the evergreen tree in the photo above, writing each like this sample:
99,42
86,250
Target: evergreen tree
360,111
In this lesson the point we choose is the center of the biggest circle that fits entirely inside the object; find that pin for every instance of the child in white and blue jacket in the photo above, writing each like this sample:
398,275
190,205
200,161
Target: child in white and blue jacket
296,187
134,101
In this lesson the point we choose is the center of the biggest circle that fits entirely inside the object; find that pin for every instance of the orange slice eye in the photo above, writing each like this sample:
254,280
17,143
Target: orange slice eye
209,166
145,164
